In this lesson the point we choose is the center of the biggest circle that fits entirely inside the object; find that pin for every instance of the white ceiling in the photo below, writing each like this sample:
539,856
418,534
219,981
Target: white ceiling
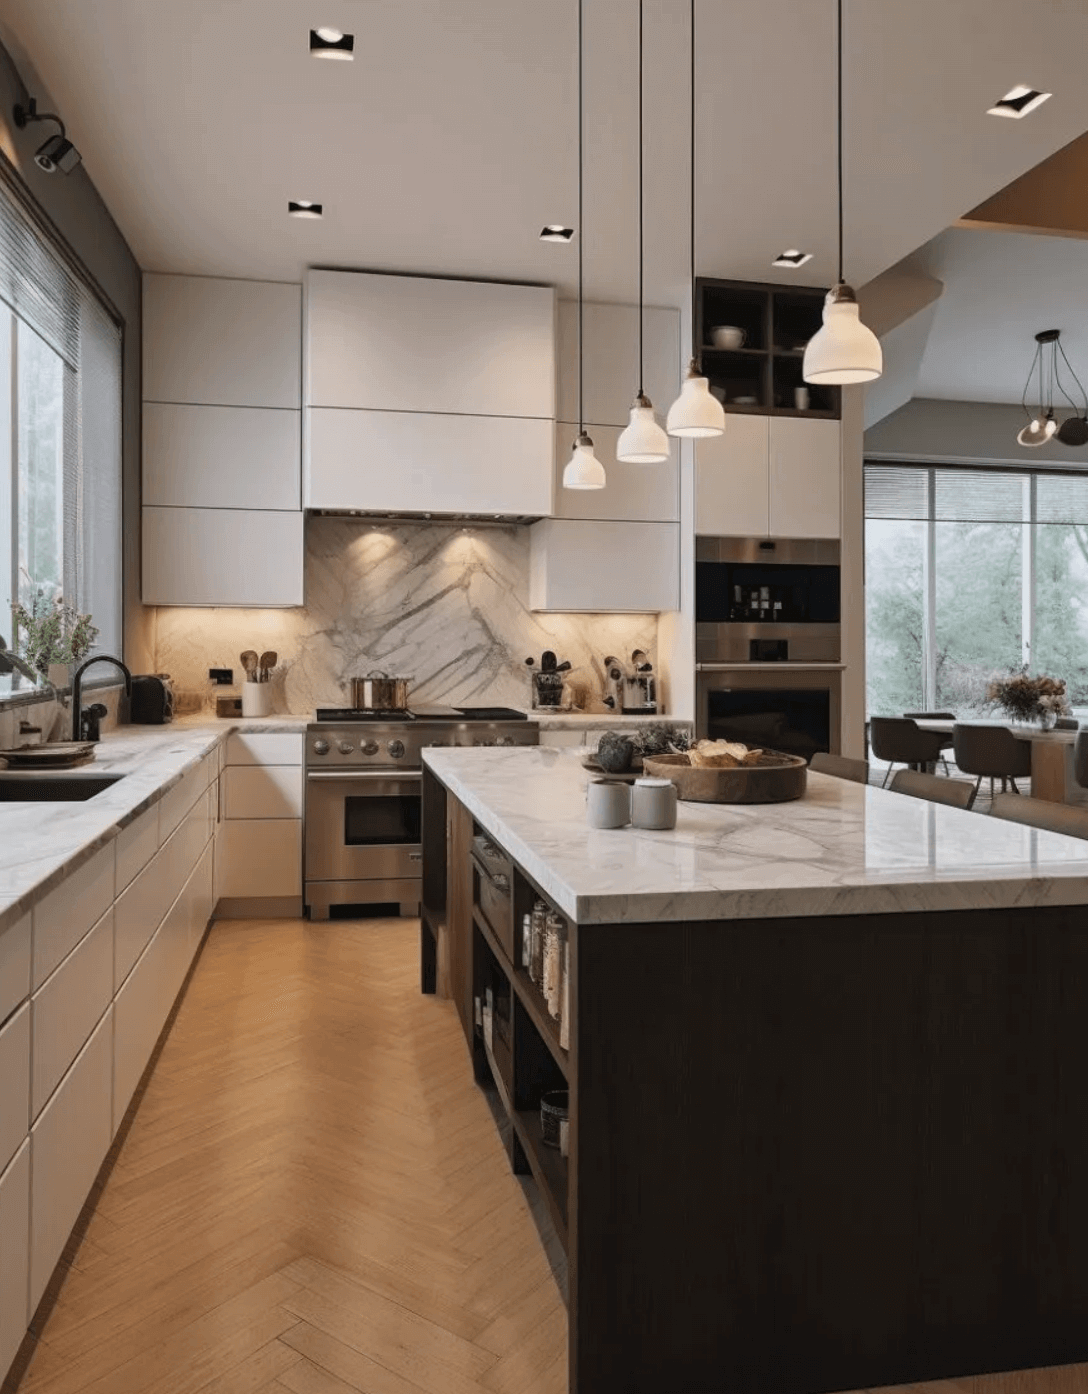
452,138
1000,289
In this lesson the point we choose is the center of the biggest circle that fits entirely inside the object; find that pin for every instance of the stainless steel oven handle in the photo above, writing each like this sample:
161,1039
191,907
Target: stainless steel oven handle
401,775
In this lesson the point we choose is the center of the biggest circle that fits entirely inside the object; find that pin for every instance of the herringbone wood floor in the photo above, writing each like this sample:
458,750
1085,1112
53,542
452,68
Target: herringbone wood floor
313,1199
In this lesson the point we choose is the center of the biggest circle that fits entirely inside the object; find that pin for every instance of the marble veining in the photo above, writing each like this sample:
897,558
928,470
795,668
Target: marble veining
443,604
844,849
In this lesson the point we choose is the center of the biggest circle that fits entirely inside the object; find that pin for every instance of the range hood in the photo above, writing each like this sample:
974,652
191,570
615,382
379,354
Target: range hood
487,520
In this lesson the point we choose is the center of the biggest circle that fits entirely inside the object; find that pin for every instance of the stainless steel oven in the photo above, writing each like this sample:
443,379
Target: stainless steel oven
363,835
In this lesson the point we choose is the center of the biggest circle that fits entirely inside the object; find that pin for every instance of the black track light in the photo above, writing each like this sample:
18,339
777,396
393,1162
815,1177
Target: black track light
57,152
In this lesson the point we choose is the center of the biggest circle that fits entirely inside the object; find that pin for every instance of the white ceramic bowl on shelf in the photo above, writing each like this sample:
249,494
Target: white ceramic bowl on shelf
727,336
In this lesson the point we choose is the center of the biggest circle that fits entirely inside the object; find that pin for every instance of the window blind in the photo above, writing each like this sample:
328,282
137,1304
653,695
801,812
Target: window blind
907,492
36,284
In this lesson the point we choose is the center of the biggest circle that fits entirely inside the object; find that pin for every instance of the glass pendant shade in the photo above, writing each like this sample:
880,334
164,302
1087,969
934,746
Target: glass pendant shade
843,351
642,441
695,414
1038,431
583,469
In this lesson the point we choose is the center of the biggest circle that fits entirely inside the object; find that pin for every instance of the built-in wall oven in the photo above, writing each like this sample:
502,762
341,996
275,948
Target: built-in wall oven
363,803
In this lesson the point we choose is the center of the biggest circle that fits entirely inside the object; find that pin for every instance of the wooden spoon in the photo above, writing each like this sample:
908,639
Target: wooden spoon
269,659
249,663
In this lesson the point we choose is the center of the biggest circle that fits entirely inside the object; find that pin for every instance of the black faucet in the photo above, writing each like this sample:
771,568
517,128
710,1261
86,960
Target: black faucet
90,718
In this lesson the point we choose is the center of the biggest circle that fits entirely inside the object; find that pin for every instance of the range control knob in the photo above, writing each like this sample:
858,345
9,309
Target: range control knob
321,747
346,747
369,747
396,749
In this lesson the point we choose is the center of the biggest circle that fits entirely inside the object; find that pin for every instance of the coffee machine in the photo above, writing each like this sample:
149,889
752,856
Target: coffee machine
631,686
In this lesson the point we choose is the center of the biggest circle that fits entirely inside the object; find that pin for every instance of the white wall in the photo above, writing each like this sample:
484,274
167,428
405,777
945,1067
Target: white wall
941,432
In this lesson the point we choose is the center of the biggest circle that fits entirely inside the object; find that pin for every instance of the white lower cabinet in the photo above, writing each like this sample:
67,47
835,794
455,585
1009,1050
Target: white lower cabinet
260,857
67,1146
67,1006
138,1019
64,916
14,1254
263,791
14,967
222,556
595,566
14,1083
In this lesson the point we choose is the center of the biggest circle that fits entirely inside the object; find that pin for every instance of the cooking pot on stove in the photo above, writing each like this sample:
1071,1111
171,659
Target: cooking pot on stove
378,692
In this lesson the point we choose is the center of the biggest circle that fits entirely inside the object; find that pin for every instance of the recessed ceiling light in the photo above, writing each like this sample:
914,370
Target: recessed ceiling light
332,43
792,258
304,208
1018,102
555,232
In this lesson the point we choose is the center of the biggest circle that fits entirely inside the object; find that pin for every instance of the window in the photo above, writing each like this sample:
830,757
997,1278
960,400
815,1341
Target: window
60,431
971,573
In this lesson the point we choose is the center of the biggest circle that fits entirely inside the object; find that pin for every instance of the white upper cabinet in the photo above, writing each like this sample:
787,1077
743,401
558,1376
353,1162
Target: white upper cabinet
221,457
577,564
731,480
769,477
218,342
611,361
412,344
222,556
805,478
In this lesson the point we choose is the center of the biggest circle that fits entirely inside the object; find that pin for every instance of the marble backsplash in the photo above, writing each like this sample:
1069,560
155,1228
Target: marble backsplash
444,604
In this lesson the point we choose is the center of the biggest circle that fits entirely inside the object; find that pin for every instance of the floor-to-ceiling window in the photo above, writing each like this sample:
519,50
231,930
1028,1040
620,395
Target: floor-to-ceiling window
60,429
971,573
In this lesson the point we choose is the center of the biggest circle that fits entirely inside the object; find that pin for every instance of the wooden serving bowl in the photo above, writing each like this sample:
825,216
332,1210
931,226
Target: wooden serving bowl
776,779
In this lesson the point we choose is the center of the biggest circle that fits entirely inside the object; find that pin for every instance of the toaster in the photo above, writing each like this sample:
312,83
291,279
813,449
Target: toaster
152,701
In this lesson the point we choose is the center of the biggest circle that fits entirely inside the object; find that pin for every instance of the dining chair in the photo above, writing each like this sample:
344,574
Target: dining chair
1067,723
840,766
960,793
1080,758
991,752
899,740
946,738
1042,813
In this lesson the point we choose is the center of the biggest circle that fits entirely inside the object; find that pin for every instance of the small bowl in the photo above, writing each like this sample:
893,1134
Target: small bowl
727,336
746,401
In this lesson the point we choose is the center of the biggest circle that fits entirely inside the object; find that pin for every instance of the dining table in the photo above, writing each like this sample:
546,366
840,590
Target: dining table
1051,756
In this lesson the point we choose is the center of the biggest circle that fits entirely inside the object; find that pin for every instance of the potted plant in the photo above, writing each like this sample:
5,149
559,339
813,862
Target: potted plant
52,635
1038,700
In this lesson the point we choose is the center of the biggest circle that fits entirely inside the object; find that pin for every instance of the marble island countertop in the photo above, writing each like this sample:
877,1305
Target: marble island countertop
844,849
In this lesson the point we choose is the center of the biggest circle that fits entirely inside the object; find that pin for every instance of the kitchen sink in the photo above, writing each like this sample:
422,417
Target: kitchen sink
49,786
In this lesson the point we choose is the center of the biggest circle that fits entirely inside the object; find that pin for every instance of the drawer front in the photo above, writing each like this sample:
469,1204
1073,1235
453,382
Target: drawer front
175,804
136,845
14,966
14,1084
67,913
67,1146
15,1248
264,748
260,857
263,791
494,898
140,1009
66,1009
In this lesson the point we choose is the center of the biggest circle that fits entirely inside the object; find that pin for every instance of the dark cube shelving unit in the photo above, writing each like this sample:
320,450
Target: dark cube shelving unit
778,322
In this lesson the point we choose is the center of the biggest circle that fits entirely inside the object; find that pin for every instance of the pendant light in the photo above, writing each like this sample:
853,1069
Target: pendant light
583,469
642,442
695,414
844,350
1043,426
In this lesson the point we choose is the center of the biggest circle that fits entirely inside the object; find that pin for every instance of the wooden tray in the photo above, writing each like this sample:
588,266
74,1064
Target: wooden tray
784,777
49,755
590,762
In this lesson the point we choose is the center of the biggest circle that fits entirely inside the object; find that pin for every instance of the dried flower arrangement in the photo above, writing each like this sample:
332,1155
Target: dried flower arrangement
52,632
1029,699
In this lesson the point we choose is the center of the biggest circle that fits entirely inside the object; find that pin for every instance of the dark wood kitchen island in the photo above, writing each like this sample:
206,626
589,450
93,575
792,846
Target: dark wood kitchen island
828,1074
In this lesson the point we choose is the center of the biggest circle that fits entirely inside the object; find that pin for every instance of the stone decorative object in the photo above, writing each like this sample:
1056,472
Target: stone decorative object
777,778
614,753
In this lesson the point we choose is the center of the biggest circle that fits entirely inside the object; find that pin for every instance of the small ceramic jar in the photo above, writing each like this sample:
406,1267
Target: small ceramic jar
608,803
653,804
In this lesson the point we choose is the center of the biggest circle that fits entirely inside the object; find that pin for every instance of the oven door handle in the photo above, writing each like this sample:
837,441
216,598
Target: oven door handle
388,774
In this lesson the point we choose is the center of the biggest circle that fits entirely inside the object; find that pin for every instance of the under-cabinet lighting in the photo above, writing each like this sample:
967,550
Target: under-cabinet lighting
1018,102
555,232
332,43
304,208
791,258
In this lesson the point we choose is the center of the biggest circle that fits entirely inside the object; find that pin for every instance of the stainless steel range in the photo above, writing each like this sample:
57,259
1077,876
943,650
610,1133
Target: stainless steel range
364,776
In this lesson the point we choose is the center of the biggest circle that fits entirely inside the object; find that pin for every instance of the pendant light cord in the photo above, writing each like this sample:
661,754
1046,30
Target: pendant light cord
694,345
640,259
581,226
841,258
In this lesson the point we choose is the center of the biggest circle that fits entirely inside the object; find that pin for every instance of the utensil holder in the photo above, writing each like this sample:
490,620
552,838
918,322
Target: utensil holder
256,699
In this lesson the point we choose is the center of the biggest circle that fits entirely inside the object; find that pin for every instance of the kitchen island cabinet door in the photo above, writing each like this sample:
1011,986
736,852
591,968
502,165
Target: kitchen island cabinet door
69,1142
14,1255
222,556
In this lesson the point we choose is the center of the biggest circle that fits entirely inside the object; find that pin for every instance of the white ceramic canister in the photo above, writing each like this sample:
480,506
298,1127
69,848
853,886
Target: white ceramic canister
256,699
653,803
608,803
